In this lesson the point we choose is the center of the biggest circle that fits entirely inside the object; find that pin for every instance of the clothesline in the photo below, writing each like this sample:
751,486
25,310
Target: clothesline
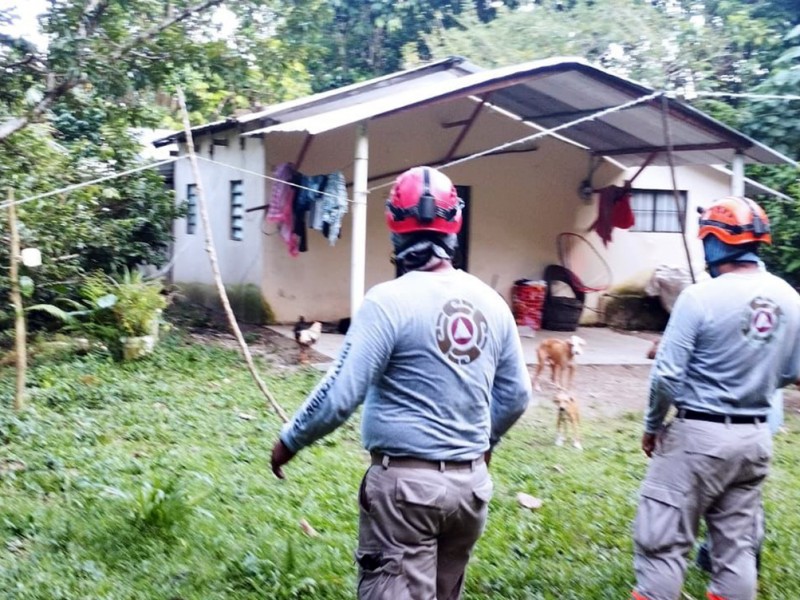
77,186
540,134
269,177
743,95
474,156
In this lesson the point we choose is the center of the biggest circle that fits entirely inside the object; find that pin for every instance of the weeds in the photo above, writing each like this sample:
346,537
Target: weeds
140,480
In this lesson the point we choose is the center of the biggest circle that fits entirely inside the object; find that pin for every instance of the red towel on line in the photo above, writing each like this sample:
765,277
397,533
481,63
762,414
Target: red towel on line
614,210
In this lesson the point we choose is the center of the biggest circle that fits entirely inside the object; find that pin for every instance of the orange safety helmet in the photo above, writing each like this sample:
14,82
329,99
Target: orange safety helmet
735,220
423,199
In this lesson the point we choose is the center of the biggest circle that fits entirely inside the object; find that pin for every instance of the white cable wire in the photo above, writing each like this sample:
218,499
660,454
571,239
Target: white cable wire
77,186
745,95
540,134
464,159
254,173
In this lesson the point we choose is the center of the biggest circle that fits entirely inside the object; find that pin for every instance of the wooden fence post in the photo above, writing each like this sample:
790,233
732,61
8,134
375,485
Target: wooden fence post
16,299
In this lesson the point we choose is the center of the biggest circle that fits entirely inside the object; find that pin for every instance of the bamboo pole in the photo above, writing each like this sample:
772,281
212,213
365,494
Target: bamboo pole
16,299
212,257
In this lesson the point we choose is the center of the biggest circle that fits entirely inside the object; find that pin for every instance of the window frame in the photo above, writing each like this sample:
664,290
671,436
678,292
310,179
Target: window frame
191,208
658,198
236,196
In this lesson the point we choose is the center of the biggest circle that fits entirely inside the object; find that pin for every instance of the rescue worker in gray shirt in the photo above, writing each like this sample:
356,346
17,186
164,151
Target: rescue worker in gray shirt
730,343
436,359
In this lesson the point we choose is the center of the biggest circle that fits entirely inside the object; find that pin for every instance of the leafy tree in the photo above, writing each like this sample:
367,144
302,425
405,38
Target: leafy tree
65,113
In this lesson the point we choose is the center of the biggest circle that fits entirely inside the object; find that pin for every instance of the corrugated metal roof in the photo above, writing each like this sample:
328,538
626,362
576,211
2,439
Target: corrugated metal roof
549,93
444,69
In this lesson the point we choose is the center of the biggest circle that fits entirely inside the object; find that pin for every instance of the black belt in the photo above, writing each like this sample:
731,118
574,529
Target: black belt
717,418
419,463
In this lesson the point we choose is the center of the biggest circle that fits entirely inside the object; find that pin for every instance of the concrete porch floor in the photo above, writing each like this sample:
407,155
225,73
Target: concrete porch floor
604,346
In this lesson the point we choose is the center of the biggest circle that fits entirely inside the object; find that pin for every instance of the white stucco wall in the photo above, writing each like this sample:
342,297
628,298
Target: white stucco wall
520,202
239,261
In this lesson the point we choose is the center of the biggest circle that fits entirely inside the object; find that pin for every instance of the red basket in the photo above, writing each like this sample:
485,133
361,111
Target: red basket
527,302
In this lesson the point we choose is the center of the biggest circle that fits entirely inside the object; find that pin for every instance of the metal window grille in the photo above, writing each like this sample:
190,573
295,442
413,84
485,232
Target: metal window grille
191,208
237,211
655,210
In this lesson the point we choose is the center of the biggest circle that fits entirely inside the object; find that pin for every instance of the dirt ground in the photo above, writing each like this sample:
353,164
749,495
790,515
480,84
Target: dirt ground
603,391
609,390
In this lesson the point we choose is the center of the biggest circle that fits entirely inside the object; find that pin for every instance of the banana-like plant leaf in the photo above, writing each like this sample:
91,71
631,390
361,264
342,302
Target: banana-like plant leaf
53,311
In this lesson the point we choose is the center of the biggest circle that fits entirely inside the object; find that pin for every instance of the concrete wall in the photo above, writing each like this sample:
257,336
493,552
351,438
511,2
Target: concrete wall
520,202
239,261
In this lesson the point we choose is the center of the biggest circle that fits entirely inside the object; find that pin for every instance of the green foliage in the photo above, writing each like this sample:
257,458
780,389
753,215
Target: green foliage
110,503
162,503
139,302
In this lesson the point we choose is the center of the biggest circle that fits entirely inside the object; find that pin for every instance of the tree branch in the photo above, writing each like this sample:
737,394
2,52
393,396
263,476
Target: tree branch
14,124
146,36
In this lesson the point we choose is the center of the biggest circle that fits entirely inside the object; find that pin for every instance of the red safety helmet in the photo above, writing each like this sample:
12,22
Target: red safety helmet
735,220
423,199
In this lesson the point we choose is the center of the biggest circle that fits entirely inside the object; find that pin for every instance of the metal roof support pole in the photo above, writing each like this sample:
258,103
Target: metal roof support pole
358,252
680,210
737,181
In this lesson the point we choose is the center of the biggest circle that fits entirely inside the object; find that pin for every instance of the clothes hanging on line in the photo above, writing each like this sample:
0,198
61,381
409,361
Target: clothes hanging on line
306,199
301,201
281,205
334,206
614,210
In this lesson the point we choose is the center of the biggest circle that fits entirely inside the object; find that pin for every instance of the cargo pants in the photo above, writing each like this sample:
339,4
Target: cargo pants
700,470
417,529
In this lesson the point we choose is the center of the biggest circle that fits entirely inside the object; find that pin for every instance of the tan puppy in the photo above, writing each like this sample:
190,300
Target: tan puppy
568,416
560,356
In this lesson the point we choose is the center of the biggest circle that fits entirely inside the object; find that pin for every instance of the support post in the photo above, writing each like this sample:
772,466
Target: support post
676,196
737,181
358,250
20,334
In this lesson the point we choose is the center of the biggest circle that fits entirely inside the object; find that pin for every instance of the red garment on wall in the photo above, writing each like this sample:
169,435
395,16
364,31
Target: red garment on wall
614,210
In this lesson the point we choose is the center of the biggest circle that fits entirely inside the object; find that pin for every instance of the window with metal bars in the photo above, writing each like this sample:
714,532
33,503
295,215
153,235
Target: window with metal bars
237,211
655,210
191,208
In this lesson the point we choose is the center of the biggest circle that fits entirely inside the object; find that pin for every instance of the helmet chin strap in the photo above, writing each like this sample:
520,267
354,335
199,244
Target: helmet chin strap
421,252
718,253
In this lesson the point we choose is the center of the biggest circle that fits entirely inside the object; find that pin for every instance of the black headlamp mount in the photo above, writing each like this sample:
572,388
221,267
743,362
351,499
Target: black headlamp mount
425,210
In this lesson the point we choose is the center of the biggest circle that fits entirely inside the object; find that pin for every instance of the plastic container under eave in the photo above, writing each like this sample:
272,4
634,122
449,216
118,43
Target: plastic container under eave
527,302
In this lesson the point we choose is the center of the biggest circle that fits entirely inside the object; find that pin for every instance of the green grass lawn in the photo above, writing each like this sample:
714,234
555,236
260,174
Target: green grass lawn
151,480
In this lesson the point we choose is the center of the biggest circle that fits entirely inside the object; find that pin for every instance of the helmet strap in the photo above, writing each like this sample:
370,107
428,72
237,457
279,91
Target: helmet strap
423,250
718,253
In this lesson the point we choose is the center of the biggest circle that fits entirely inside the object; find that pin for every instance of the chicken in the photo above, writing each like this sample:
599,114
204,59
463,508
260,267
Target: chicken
306,335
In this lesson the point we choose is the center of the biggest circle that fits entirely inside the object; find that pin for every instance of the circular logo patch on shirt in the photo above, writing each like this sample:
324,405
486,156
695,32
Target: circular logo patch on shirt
461,331
761,320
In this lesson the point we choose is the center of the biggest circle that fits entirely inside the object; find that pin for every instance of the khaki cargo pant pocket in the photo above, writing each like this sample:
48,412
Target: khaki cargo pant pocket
380,575
659,519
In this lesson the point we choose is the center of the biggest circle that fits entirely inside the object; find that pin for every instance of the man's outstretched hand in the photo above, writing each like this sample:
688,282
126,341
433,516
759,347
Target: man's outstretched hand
280,456
649,443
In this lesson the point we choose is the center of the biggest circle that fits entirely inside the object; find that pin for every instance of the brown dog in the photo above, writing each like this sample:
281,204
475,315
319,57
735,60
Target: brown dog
568,416
560,355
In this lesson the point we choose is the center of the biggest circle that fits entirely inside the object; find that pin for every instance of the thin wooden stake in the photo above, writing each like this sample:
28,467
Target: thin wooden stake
212,257
20,336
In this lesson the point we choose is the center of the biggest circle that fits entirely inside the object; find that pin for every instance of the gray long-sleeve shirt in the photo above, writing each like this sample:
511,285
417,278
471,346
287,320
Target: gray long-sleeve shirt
729,344
437,361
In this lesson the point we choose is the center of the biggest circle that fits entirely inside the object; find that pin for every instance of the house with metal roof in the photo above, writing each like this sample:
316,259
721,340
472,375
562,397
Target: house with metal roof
527,145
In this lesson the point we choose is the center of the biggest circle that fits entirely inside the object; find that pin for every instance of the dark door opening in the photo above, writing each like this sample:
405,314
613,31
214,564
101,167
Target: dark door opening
461,258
